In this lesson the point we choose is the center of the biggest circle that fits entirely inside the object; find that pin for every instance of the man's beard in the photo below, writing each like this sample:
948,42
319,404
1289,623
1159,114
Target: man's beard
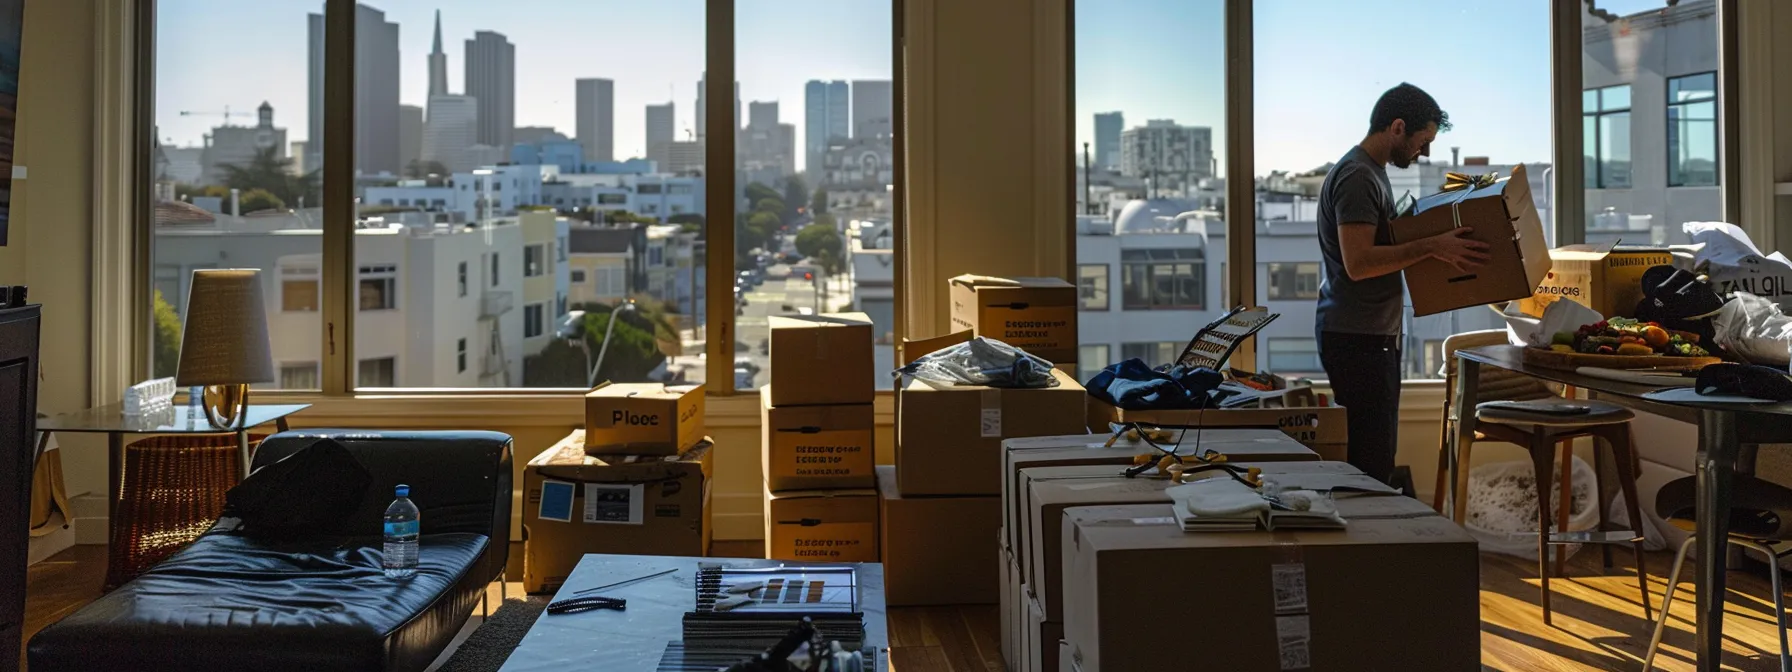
1404,157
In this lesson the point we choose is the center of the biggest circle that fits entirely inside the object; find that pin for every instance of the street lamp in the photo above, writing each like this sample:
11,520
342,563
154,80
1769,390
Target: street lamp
572,328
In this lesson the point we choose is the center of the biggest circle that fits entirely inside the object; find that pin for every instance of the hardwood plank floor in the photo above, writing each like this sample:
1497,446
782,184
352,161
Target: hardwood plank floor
1599,623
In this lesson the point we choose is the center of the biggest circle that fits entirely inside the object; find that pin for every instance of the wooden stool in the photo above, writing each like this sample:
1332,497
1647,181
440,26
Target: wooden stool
1540,433
173,491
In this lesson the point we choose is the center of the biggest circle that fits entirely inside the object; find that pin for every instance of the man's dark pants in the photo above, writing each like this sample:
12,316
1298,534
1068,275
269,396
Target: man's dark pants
1364,370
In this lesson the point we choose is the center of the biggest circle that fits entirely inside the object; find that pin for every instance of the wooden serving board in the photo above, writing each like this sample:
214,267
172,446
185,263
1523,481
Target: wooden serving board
1573,360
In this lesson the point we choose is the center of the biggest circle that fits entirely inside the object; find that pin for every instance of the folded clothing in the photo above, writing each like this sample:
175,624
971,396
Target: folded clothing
1747,380
1134,386
982,361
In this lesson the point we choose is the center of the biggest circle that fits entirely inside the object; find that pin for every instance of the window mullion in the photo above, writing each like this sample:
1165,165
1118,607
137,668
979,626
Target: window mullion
338,194
719,201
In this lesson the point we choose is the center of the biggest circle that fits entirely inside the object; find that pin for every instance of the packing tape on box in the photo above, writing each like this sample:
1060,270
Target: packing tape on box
991,403
1288,580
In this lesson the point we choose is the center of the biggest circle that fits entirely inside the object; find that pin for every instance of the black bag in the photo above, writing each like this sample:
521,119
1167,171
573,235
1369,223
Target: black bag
310,492
1680,301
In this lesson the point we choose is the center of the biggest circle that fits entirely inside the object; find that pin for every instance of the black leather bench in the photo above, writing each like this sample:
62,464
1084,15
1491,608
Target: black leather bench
232,602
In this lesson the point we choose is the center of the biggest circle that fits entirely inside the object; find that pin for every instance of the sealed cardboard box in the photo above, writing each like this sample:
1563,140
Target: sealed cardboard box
1041,637
1325,429
575,503
1397,590
1500,214
949,438
821,359
1037,315
1048,491
1607,278
816,447
1009,609
643,419
939,550
1244,445
824,525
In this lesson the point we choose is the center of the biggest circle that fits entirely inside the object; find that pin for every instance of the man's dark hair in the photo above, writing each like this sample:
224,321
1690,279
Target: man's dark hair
1409,103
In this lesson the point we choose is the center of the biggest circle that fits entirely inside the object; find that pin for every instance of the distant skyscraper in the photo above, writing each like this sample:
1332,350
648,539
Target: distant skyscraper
451,132
703,114
871,108
1163,150
767,148
410,135
376,92
596,109
1108,126
762,114
491,80
662,131
825,108
438,63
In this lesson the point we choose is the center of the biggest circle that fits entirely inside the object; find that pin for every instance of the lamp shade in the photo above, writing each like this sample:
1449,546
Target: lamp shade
225,339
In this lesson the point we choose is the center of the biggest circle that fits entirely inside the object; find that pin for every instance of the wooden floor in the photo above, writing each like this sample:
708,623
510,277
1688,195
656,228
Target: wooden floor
1598,619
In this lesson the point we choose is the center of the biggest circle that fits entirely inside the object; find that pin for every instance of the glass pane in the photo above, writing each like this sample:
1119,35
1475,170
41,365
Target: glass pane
1087,355
1692,145
814,230
1589,130
1092,286
1614,150
1692,87
1614,98
1589,100
497,154
232,184
1500,115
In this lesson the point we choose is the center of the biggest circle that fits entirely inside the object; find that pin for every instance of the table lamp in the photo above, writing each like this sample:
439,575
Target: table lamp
224,344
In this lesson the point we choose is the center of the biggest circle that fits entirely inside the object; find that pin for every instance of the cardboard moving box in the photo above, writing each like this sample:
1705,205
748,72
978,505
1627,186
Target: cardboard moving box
1607,278
1009,609
949,438
1037,315
1503,216
822,525
1397,590
1041,639
574,504
1325,429
816,447
643,419
821,359
939,550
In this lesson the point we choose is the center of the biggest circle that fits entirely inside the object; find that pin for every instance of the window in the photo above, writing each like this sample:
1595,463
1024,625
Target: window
1153,354
461,278
460,356
612,199
1162,278
298,375
1092,286
534,260
560,249
379,287
1090,359
576,276
380,372
1692,130
1293,282
532,320
1434,357
299,292
611,283
1605,121
1294,357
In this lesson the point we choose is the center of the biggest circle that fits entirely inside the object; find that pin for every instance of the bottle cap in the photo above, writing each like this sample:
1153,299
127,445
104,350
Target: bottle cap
403,490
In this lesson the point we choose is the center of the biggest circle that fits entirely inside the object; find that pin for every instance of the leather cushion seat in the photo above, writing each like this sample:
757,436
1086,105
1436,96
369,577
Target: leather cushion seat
232,602
1600,413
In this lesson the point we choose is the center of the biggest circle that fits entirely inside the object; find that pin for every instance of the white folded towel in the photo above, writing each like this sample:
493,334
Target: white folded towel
1218,498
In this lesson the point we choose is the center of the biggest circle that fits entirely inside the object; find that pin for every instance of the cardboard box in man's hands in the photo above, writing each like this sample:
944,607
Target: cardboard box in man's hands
1503,216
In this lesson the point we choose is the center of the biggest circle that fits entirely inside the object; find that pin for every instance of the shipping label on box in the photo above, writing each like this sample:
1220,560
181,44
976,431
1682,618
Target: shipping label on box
1606,278
1037,315
817,447
643,419
826,525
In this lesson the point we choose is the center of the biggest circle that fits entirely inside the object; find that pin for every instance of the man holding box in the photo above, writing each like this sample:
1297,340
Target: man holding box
1358,321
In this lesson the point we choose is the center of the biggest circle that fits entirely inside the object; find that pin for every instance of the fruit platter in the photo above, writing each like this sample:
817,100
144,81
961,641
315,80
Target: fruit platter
1622,343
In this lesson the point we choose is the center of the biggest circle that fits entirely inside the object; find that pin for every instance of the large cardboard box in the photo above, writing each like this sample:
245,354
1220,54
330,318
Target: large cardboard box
816,447
574,504
821,525
1397,590
1037,315
1041,638
1325,429
1051,490
643,419
821,359
939,550
1009,609
1607,278
1503,216
1243,445
949,438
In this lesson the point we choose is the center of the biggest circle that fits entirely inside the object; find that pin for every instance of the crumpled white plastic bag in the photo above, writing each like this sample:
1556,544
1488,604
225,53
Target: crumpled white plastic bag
1735,264
1561,315
1754,329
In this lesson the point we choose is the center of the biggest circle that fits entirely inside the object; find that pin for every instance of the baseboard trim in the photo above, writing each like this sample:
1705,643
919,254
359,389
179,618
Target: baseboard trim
39,549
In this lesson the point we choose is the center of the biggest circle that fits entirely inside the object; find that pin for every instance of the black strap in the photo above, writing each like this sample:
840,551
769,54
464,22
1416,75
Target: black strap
583,604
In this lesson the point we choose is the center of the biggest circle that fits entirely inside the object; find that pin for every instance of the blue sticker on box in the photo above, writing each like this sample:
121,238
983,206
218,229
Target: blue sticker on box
556,501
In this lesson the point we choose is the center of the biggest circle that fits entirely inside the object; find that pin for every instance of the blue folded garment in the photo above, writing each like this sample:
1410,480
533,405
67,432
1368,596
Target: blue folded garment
1134,386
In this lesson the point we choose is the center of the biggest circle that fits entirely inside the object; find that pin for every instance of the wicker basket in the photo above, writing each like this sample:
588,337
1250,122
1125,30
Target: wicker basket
173,491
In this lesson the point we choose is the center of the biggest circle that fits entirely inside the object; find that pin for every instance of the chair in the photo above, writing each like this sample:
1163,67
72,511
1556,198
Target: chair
232,601
1759,520
173,491
1544,435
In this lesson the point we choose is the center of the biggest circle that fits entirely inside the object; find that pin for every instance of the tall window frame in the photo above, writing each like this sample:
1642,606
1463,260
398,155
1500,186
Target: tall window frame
1602,110
1692,101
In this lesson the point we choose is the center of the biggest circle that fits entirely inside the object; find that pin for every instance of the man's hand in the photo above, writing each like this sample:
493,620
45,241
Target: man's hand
1455,248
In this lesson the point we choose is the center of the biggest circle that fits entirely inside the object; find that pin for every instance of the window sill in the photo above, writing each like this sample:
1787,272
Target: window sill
497,409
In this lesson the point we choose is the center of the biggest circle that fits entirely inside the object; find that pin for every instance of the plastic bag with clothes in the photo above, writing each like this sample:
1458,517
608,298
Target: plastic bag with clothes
1756,330
1735,264
982,361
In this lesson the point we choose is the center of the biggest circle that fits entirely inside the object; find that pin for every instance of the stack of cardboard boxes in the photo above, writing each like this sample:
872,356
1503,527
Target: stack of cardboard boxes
635,480
942,501
817,420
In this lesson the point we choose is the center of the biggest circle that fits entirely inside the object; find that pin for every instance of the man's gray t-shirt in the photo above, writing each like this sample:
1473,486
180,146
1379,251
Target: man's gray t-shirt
1357,191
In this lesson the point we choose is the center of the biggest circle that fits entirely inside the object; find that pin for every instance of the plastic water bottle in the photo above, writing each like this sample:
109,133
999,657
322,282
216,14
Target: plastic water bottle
402,527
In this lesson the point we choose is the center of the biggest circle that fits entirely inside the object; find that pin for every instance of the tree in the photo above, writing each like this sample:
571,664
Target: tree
760,227
816,239
269,171
827,220
166,338
757,192
256,200
688,222
796,194
818,203
642,340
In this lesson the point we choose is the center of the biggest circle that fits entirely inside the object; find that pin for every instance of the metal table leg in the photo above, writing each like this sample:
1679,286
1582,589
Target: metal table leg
1462,412
1717,467
242,451
114,492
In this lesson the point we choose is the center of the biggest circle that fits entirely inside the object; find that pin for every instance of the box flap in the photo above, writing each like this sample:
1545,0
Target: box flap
981,281
648,390
913,349
1528,227
818,321
568,461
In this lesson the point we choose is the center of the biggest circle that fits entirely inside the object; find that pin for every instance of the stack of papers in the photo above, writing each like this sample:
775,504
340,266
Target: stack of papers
1226,505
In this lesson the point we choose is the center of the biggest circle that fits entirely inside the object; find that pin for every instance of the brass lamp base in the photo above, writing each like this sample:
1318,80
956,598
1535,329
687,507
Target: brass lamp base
227,406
